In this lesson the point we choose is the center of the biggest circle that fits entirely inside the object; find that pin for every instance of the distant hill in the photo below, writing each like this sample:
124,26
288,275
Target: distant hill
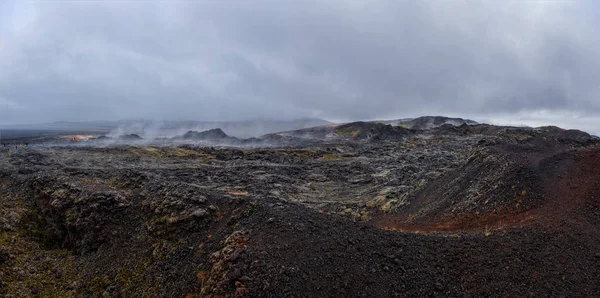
239,129
428,122
372,130
211,134
349,131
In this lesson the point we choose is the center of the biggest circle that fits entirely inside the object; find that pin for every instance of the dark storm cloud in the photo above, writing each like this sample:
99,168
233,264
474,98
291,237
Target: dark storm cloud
340,60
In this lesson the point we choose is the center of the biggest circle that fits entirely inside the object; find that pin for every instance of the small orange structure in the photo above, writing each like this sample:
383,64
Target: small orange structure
77,138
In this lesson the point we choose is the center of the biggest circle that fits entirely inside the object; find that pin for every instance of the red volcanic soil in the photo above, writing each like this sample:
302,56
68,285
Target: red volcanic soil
573,191
570,200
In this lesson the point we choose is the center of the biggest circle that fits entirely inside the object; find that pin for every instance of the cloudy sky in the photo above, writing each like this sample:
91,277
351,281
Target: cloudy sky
519,62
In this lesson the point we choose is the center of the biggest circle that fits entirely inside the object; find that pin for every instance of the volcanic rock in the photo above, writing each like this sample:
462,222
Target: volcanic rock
212,134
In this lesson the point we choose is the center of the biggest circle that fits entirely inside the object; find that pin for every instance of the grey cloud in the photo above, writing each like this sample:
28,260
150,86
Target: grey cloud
341,60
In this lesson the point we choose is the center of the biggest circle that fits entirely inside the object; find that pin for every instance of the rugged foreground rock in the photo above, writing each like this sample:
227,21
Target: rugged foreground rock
360,210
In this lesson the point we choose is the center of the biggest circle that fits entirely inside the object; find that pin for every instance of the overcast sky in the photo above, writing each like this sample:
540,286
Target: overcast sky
521,62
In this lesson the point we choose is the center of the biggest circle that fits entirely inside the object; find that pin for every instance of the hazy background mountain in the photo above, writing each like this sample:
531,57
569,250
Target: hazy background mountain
157,129
502,62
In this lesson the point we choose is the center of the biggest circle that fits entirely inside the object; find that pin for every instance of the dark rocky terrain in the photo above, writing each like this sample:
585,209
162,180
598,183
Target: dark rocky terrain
364,209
